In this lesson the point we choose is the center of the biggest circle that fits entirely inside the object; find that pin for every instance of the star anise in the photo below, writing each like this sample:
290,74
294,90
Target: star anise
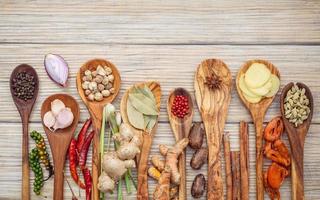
213,81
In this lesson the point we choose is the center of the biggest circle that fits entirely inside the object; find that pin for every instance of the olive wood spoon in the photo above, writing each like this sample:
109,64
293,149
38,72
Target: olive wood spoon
213,104
297,137
60,140
181,128
95,109
145,136
25,108
258,111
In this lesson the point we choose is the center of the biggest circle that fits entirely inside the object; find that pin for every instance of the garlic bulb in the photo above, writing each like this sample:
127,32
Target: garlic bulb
49,120
63,119
56,106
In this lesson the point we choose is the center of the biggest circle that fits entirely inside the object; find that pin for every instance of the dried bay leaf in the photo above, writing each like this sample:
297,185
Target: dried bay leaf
145,91
143,104
152,122
135,117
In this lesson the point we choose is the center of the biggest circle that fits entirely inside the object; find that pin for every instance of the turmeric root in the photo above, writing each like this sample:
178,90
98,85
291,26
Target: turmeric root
157,163
162,191
172,154
154,173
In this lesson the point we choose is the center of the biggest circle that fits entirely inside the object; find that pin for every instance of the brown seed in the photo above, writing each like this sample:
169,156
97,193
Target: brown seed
199,158
198,186
196,136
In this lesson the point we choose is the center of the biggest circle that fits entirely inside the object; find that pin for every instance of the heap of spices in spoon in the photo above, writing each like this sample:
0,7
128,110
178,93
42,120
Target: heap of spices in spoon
296,105
23,85
180,106
98,84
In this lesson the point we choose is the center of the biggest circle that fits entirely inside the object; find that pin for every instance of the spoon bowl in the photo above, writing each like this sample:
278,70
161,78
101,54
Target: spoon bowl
96,108
296,137
60,139
181,129
25,108
145,136
258,111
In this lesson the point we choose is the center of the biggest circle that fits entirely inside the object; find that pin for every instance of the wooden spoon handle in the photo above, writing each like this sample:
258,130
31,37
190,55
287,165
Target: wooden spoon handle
96,160
25,194
142,191
182,170
258,122
297,172
58,180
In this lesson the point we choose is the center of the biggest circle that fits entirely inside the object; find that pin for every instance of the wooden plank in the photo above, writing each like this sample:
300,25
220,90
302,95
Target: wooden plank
172,65
10,168
160,22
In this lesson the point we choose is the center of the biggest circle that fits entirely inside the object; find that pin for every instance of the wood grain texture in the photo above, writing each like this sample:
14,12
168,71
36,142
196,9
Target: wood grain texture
59,140
163,41
158,22
297,138
147,137
213,104
228,170
96,109
244,160
25,109
181,129
258,111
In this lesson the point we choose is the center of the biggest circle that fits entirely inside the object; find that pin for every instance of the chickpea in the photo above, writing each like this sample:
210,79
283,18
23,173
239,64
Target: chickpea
87,72
108,86
85,85
108,70
98,96
99,79
100,87
111,78
84,78
93,86
105,93
89,77
112,90
105,81
94,73
91,97
87,92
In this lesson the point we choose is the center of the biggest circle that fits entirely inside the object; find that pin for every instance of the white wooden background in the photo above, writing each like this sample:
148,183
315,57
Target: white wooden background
163,41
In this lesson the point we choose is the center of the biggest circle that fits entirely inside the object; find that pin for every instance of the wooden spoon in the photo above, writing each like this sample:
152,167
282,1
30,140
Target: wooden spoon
181,128
142,159
258,111
297,138
96,108
25,108
213,105
60,139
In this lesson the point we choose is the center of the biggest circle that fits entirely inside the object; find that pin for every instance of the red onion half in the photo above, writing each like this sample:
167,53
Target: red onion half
57,69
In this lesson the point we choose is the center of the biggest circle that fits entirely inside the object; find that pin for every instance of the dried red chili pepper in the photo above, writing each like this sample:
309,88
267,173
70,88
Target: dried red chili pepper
84,151
82,134
88,182
73,162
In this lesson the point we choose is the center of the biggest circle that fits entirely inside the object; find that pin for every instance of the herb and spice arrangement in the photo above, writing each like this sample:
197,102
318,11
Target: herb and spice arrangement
131,131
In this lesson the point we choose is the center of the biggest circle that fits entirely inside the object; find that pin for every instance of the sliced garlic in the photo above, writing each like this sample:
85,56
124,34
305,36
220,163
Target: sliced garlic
63,119
56,106
49,120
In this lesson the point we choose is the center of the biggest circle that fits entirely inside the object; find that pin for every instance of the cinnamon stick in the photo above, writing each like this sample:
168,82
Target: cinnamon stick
227,157
235,168
244,161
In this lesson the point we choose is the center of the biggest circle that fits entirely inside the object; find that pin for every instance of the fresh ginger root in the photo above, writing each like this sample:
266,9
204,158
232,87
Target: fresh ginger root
172,154
170,171
116,163
154,173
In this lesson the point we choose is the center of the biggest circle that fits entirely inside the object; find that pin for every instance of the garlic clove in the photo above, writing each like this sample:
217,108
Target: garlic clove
56,106
63,119
49,120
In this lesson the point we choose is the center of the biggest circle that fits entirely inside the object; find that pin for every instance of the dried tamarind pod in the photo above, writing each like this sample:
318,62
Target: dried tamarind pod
274,129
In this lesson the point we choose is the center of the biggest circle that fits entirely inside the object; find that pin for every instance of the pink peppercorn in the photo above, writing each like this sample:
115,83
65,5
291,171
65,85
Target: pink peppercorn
180,106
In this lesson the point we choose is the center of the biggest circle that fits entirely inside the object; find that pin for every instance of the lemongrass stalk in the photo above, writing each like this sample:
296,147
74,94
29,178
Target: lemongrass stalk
103,124
120,189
